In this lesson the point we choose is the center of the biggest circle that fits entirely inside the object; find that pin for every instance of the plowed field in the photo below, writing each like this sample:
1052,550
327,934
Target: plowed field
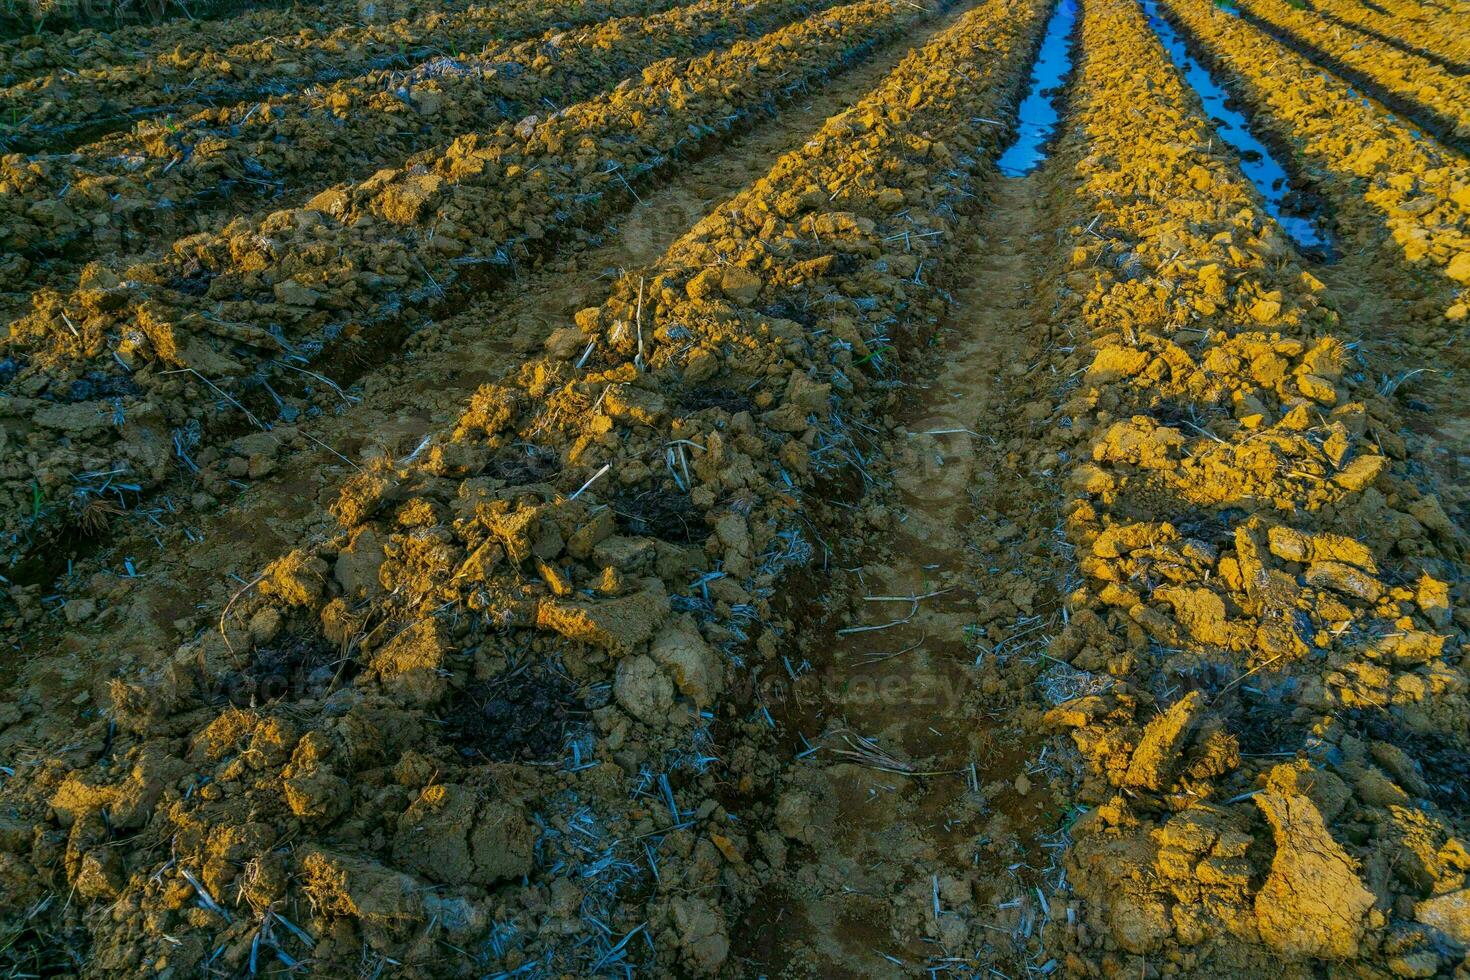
739,488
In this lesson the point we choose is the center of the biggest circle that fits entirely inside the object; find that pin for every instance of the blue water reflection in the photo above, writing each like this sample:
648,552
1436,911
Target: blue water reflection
1259,165
1038,117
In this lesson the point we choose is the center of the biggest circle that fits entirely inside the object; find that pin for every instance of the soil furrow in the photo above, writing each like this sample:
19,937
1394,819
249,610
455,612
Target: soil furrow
1413,86
30,53
1443,21
64,109
1401,205
633,824
1353,151
920,796
767,518
35,23
1405,35
1243,513
347,277
239,526
1269,162
134,194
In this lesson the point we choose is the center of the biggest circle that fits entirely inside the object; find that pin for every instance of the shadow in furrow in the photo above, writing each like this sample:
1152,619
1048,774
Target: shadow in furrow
1407,47
1413,113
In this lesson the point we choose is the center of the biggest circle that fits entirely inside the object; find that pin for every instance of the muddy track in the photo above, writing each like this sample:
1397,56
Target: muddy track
920,793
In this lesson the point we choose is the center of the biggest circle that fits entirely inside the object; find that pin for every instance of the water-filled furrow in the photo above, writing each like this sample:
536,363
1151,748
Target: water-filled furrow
1038,114
1303,222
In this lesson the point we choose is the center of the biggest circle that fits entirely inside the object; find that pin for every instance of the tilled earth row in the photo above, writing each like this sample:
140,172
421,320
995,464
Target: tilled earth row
912,570
32,22
1443,20
1417,86
30,54
164,353
1360,154
70,105
1411,33
270,481
127,194
1262,671
1400,202
608,525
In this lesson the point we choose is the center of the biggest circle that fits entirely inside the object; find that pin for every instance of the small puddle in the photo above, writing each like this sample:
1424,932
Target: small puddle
1038,116
1300,222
